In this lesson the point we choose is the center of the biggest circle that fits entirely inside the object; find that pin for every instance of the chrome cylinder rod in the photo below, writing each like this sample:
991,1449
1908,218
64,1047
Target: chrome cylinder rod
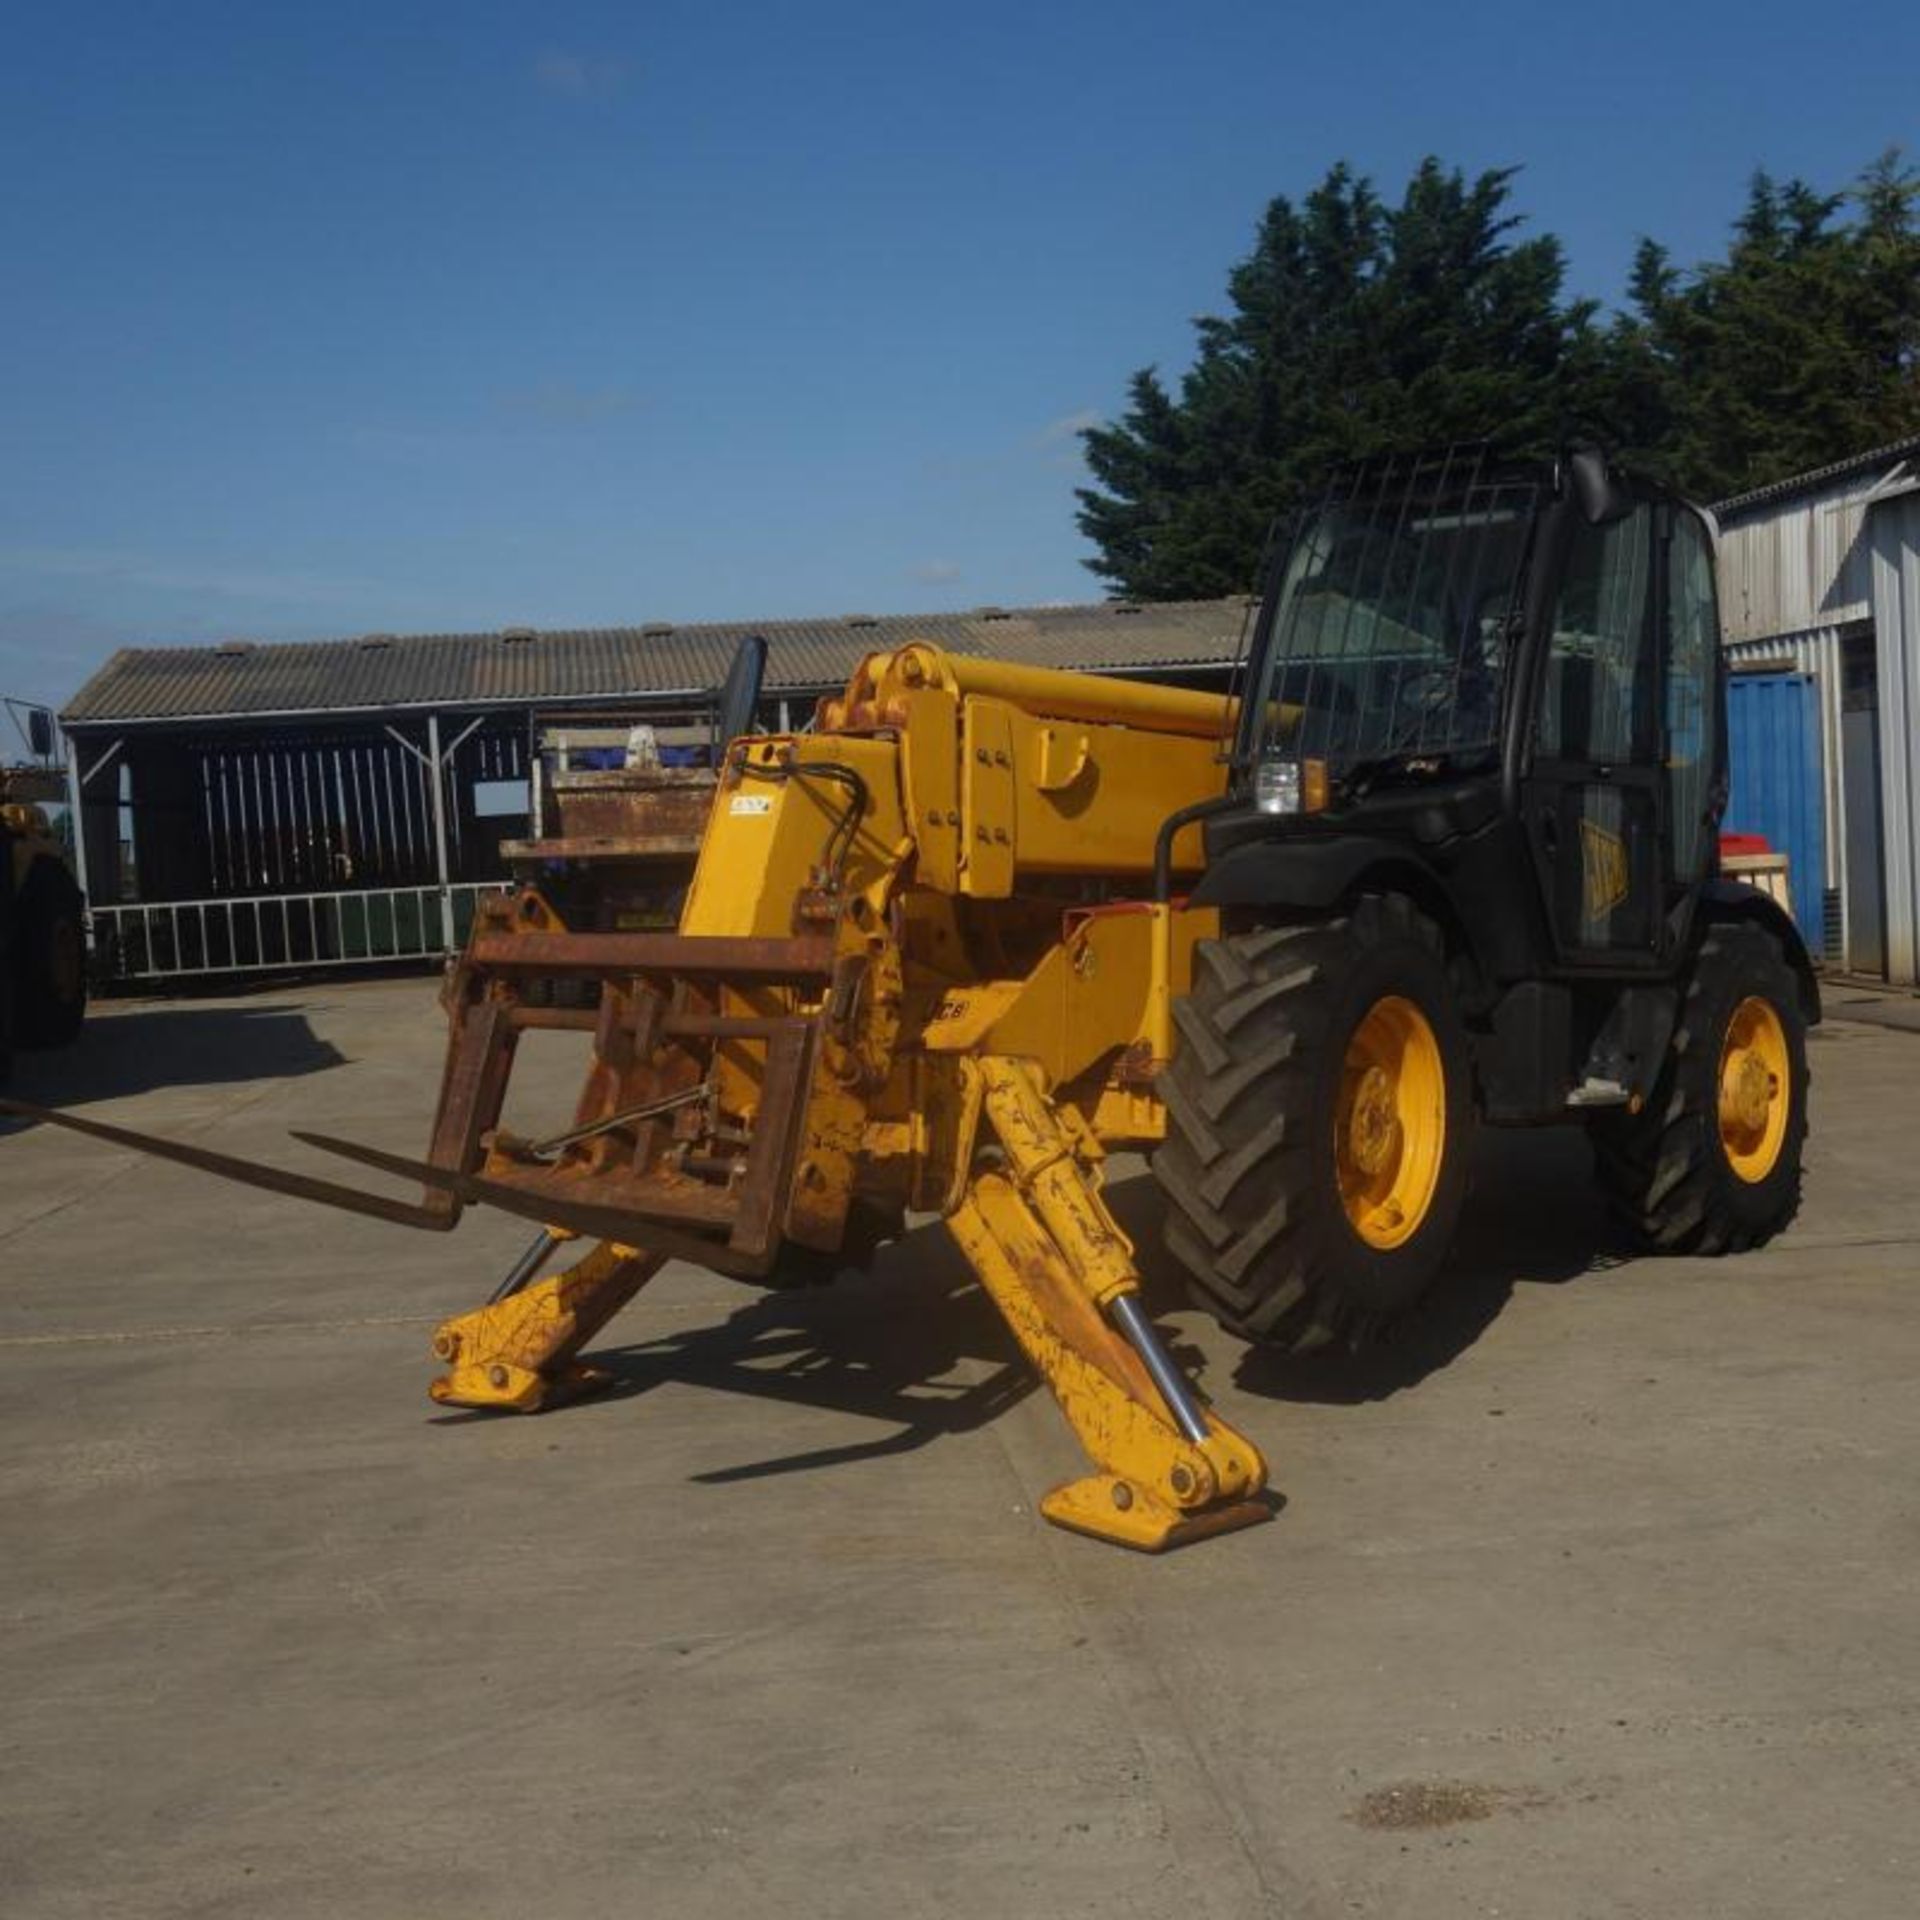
524,1270
1131,1318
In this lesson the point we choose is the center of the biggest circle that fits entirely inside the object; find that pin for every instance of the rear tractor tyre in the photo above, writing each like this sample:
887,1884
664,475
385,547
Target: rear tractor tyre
1319,1119
50,962
1711,1164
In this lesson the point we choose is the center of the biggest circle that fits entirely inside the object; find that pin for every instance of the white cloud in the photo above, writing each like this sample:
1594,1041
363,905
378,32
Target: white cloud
562,403
578,76
1068,427
407,444
161,575
935,573
547,406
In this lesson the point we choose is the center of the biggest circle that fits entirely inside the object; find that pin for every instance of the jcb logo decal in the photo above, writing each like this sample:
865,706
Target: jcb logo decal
1603,861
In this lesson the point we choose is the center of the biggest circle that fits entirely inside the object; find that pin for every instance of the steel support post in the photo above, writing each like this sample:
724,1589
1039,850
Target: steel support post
77,821
438,772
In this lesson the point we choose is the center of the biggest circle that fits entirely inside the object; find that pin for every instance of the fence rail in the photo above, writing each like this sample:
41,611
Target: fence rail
177,938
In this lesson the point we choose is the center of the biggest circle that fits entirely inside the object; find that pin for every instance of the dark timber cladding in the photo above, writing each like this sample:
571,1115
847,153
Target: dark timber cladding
336,801
287,813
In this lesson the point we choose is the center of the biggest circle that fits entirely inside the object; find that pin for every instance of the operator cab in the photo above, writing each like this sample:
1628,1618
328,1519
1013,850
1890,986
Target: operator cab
1451,647
1465,872
1382,646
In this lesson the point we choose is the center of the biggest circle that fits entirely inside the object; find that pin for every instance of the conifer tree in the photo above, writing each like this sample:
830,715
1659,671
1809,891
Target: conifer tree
1352,325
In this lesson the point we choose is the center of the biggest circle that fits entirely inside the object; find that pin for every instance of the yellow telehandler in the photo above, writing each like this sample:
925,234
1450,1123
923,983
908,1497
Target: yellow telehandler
1449,858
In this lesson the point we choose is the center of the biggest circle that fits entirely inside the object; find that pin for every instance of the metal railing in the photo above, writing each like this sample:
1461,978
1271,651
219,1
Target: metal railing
177,938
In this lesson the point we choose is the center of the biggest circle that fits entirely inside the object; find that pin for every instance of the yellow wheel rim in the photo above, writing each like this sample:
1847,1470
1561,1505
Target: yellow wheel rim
1755,1089
1390,1127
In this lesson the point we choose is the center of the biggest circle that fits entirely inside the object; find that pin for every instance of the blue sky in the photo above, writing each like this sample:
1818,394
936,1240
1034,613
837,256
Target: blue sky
328,320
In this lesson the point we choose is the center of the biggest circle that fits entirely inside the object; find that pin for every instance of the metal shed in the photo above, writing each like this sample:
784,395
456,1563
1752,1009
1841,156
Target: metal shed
1777,787
1821,574
343,802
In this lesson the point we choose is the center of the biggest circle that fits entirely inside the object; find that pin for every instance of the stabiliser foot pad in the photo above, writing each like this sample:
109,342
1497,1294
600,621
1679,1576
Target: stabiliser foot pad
511,1389
1110,1508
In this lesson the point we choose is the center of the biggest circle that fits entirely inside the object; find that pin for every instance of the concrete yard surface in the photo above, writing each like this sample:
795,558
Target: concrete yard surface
1597,1593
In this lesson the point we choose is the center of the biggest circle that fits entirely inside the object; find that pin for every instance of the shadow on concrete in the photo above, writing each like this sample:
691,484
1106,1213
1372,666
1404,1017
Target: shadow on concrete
240,983
884,1344
887,1344
171,1046
1873,1004
1534,1217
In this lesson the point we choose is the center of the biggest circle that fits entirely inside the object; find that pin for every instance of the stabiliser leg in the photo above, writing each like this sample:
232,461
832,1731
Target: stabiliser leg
518,1351
1061,1272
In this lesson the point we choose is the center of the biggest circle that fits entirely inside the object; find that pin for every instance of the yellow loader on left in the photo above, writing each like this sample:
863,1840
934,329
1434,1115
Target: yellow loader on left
43,951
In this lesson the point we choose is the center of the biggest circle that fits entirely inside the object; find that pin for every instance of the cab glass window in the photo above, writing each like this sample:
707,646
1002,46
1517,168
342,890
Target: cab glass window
1599,704
1693,628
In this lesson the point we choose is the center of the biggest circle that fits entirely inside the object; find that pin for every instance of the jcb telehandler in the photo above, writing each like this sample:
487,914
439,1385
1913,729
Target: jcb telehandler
1449,858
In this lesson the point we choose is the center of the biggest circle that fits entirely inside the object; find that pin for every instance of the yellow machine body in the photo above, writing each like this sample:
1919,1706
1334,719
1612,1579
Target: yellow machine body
918,969
26,833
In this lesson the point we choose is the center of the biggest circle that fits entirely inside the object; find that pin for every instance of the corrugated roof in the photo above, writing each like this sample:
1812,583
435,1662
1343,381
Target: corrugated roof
1821,476
519,666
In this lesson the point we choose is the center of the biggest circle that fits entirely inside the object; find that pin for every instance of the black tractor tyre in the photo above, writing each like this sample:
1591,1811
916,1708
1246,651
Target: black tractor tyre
6,998
1255,1096
50,958
1669,1171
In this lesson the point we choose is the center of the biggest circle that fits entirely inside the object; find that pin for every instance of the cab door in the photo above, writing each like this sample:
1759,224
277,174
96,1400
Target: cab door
1594,797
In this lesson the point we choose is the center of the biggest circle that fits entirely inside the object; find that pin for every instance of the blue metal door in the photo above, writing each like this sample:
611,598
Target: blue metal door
1778,782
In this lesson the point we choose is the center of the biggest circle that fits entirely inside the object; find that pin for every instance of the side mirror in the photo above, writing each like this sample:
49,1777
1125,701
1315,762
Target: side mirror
1597,490
741,694
40,732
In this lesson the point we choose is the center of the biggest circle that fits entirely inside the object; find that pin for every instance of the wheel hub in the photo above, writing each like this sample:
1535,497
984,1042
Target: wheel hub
1746,1092
1375,1133
1390,1125
1753,1089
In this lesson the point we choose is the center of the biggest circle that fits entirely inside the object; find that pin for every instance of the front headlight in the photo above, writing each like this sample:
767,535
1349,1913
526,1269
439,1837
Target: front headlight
1276,786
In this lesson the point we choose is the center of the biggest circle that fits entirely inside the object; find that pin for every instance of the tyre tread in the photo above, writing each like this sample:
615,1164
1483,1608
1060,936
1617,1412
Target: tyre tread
1237,1164
1659,1169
